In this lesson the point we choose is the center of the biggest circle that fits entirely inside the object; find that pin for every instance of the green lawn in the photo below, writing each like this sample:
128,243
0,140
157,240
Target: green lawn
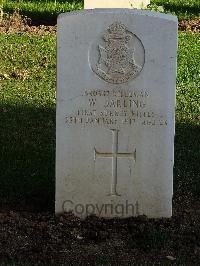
49,9
27,119
184,9
187,145
41,9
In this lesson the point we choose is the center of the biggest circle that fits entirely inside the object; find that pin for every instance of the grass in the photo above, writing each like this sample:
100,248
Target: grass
184,9
41,9
27,119
27,107
187,149
49,9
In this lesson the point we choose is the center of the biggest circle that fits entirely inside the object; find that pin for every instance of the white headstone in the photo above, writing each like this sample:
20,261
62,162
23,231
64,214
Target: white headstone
116,78
115,3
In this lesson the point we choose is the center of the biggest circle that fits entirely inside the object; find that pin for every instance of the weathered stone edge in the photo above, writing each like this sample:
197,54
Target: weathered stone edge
147,13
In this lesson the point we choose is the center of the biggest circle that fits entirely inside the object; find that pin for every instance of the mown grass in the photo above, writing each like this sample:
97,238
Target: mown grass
187,148
27,119
47,10
184,9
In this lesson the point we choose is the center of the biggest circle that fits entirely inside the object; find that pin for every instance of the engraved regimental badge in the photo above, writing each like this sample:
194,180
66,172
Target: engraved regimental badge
119,55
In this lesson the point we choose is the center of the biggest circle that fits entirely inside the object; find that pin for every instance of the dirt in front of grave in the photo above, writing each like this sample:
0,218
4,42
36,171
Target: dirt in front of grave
17,23
45,239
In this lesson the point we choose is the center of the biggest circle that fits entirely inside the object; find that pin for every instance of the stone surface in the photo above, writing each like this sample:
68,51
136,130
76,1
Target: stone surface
116,83
115,3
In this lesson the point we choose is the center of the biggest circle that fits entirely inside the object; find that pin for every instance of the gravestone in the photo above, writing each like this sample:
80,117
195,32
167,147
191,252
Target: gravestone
115,3
116,78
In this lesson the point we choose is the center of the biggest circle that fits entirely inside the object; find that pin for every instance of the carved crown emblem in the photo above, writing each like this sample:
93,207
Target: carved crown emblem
116,63
117,30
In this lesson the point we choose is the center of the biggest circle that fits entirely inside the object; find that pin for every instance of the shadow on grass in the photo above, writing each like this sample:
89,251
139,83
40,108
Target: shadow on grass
27,158
187,154
48,16
193,10
179,8
44,16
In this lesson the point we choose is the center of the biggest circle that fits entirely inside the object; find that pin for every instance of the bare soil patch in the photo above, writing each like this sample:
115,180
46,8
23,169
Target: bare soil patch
44,239
191,25
17,24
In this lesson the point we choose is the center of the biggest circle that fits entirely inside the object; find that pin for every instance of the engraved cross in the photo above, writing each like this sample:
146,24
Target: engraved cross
115,154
